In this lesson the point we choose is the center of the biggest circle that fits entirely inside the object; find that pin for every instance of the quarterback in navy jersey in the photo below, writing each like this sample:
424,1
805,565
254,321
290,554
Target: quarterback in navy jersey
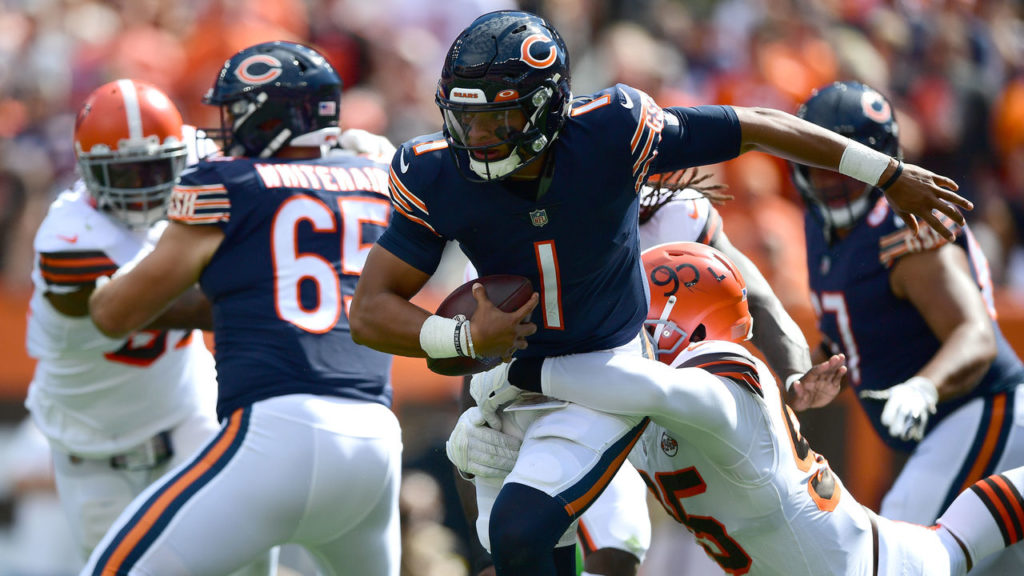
915,317
531,181
276,234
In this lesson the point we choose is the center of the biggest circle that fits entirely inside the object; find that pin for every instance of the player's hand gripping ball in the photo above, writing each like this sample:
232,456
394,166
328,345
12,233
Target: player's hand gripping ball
506,291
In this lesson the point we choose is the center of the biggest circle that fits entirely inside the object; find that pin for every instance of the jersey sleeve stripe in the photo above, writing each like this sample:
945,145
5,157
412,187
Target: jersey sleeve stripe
397,188
419,221
1005,505
396,195
731,366
75,268
900,243
205,204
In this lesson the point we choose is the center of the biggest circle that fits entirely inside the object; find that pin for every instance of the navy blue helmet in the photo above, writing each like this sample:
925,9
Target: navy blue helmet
275,94
506,64
860,113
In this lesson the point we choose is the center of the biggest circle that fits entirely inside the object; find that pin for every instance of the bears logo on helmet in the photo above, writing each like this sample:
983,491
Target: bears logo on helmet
508,62
273,95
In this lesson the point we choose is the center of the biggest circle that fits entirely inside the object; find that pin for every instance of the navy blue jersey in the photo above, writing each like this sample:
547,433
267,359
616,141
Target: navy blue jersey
577,242
297,233
885,339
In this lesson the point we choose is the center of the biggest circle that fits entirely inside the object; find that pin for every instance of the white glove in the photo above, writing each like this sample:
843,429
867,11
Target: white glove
492,392
477,450
363,142
907,406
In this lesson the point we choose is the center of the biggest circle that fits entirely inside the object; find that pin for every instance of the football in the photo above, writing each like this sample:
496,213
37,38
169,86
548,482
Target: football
508,292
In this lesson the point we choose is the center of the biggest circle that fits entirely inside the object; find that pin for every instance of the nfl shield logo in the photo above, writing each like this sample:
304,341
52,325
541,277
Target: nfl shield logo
539,218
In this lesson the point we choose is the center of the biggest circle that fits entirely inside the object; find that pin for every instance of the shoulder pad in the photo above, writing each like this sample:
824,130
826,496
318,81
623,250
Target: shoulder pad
725,360
72,224
414,167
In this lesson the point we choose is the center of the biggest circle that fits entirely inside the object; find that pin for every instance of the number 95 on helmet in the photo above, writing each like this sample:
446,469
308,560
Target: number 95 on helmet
697,293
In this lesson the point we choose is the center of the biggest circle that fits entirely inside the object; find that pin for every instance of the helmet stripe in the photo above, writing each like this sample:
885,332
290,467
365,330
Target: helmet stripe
131,108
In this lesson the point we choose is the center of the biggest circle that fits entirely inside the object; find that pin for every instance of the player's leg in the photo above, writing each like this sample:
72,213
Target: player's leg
568,456
93,492
986,518
978,439
251,488
365,532
615,532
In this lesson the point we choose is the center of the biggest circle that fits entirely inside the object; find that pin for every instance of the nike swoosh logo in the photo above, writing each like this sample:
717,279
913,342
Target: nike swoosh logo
401,162
629,101
694,213
68,239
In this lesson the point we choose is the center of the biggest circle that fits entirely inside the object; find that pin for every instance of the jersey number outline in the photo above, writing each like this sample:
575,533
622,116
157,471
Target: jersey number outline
292,268
835,303
670,488
550,289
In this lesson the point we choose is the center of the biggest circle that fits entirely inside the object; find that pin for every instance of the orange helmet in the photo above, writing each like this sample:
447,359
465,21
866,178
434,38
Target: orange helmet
696,294
130,150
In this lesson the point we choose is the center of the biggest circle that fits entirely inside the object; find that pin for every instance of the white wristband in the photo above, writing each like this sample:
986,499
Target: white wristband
863,163
437,337
792,378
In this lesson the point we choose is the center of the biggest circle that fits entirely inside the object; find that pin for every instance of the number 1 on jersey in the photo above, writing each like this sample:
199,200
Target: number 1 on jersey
550,292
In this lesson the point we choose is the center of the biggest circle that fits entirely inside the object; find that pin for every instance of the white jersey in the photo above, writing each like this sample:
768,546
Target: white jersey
725,457
759,503
688,217
91,395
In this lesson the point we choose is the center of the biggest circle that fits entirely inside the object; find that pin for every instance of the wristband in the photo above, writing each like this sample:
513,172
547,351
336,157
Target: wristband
892,179
438,335
790,379
863,163
469,340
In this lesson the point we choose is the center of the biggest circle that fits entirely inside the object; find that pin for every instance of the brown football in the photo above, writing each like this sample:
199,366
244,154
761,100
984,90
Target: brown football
508,292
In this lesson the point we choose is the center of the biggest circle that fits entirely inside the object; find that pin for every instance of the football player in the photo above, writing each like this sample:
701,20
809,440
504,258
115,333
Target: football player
275,234
118,412
915,317
725,456
614,533
533,182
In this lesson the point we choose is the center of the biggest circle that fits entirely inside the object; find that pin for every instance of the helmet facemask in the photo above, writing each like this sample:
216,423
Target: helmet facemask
518,125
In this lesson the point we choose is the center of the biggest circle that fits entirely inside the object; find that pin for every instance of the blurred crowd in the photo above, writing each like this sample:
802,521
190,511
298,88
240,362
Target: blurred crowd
953,68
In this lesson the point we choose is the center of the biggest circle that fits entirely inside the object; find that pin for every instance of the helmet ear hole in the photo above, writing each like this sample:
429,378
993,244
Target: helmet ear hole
700,333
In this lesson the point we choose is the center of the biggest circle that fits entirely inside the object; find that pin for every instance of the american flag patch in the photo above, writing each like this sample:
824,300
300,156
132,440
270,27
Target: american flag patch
328,108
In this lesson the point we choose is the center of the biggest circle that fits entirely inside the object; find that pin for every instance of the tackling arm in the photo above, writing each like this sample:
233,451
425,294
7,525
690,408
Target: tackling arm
136,298
632,385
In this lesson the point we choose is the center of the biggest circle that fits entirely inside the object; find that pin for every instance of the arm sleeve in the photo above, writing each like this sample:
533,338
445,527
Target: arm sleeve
697,136
623,384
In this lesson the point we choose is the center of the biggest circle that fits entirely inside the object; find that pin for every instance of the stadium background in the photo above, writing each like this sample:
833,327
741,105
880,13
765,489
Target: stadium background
953,68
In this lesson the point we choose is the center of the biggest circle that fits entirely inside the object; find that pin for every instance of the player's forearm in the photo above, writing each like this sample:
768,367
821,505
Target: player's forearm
962,360
388,323
192,310
634,386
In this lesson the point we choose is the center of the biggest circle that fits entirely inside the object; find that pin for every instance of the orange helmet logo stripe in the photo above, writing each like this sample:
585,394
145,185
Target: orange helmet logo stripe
243,71
529,59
